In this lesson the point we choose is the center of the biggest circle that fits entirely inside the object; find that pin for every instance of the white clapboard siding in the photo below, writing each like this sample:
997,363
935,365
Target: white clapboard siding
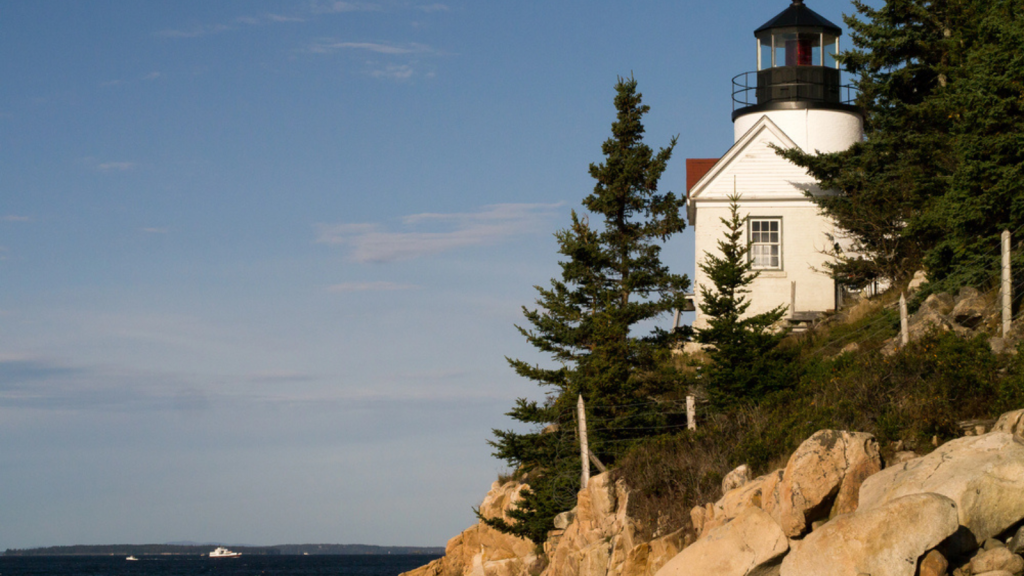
772,187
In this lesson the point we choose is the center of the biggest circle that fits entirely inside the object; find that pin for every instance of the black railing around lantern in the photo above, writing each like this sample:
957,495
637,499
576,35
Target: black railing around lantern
791,84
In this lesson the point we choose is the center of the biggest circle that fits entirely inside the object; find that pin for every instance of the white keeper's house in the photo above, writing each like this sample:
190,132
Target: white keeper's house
793,99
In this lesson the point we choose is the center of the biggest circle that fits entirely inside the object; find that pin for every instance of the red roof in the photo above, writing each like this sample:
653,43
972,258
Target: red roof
696,168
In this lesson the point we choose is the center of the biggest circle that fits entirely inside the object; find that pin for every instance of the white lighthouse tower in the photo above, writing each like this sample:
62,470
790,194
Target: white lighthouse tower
793,99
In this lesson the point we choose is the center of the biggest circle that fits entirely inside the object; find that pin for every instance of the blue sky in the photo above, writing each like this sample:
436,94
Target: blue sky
261,260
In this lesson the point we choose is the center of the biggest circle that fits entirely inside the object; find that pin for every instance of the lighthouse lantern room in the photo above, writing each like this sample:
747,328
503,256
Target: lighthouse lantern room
796,57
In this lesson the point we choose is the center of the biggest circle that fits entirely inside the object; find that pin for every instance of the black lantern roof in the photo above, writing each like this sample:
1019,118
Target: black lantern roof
799,15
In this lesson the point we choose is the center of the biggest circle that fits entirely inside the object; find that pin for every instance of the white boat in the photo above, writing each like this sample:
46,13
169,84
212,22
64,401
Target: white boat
222,552
131,558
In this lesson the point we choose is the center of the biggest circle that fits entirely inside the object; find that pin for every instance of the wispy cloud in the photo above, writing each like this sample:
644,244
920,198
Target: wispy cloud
15,218
152,76
434,8
17,373
392,67
330,46
154,230
268,19
338,6
115,166
370,287
393,72
373,243
195,31
45,383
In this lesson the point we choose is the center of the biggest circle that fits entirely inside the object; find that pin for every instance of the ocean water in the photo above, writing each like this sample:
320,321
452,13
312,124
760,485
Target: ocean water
363,565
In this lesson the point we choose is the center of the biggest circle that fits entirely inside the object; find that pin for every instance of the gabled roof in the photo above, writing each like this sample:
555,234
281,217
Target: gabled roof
799,15
696,168
748,145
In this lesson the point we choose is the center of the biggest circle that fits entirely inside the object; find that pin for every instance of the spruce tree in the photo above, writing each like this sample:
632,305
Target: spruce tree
612,280
746,362
984,197
903,55
938,175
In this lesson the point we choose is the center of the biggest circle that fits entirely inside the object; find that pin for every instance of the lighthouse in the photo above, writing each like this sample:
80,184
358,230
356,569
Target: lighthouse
794,98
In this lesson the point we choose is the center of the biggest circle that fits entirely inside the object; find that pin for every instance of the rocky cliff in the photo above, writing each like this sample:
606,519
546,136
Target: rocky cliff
835,509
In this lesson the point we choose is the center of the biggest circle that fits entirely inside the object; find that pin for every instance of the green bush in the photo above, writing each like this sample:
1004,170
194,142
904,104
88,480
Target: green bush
922,391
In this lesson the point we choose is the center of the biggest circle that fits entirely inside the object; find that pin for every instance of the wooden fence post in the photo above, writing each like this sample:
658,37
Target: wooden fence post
691,413
904,322
1007,285
584,448
792,299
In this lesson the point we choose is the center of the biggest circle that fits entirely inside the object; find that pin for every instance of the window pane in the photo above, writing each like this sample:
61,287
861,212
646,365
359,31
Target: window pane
766,243
830,51
782,55
766,53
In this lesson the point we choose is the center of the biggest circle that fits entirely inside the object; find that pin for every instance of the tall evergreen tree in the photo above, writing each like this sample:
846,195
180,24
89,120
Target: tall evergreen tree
937,178
612,280
986,105
746,362
903,55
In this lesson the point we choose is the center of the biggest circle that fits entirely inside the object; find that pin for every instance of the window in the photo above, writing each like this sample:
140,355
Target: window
766,243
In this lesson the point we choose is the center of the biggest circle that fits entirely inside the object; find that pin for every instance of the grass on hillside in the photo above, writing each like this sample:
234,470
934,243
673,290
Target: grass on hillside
907,399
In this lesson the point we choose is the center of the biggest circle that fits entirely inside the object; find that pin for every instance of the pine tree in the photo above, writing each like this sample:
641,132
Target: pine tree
746,360
612,280
903,56
986,105
938,176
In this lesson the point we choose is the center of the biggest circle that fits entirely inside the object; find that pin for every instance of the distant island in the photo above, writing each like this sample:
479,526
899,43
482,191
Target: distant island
204,549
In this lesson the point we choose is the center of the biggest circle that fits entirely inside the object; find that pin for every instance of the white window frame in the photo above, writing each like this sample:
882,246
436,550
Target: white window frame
760,242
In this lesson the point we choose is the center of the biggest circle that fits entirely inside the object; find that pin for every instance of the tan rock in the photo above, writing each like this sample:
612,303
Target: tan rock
1011,423
996,573
925,322
647,558
941,303
901,457
1000,345
883,541
861,310
992,543
919,279
984,475
858,470
933,564
970,308
738,499
563,520
738,477
481,550
997,559
698,514
751,544
770,494
1016,543
600,537
826,468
